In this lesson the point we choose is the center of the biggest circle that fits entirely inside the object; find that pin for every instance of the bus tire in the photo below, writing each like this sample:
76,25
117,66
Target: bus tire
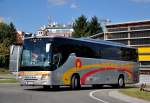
121,82
75,82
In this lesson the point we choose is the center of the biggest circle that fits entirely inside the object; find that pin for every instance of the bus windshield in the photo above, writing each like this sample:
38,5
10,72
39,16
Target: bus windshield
36,53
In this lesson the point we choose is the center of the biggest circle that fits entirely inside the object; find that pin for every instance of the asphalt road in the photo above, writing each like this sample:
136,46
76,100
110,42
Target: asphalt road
17,94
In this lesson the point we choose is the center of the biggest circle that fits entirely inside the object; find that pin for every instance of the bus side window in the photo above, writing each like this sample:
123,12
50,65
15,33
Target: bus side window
129,54
110,52
77,50
85,51
57,58
64,50
98,53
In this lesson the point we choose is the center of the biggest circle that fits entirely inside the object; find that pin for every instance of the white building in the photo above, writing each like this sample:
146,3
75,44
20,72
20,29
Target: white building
54,29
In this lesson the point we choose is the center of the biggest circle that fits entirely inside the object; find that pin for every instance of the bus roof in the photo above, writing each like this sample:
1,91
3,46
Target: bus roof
99,41
89,40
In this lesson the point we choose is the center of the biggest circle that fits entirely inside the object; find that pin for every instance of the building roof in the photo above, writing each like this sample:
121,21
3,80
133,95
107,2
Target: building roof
59,26
131,23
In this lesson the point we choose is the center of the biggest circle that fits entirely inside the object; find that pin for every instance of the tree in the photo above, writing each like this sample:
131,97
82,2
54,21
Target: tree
12,33
80,27
3,31
94,26
84,28
7,37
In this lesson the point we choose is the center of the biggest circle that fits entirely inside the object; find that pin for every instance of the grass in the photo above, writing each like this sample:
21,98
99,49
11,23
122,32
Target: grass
7,76
135,92
13,80
4,71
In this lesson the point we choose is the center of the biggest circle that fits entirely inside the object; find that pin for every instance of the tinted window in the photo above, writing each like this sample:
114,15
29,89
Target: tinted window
94,50
117,53
129,54
110,52
83,50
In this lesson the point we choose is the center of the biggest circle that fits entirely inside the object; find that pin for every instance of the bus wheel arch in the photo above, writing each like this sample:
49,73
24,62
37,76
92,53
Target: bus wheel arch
121,81
75,81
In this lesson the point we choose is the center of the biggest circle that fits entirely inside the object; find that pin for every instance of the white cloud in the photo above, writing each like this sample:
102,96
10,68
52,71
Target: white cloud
73,6
141,1
58,2
71,3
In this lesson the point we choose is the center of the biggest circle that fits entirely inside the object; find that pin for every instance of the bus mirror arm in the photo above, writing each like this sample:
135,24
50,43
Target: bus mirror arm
55,62
56,59
53,66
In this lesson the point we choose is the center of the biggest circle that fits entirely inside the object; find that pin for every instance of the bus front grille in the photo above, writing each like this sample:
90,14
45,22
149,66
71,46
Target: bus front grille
30,79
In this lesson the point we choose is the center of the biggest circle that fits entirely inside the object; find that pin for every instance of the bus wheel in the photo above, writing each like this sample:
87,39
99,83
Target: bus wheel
75,82
121,82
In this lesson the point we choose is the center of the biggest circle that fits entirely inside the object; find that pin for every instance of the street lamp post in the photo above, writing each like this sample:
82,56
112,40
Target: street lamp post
104,22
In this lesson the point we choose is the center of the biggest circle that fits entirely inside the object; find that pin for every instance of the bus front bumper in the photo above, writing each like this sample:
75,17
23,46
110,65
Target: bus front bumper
35,80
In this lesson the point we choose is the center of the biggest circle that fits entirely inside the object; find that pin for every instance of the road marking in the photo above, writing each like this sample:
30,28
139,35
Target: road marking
92,96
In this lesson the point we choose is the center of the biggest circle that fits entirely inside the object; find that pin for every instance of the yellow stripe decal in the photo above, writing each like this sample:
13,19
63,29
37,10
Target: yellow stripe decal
66,77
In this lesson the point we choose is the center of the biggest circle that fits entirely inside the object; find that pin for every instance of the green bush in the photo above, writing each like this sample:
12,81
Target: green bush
7,37
4,60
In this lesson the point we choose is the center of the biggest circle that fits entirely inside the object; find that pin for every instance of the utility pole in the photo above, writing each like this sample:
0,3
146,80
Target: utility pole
49,20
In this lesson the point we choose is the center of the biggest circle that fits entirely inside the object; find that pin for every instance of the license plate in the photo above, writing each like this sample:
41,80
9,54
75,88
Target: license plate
30,83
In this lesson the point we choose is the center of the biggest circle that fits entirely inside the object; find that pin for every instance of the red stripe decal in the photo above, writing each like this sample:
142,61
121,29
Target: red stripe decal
84,77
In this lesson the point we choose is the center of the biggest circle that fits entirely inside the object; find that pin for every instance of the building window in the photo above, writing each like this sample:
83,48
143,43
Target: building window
117,35
140,34
120,41
140,41
146,63
140,27
117,29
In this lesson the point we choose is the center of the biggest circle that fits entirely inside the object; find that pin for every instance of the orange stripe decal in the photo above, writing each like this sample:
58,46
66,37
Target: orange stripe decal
66,77
86,75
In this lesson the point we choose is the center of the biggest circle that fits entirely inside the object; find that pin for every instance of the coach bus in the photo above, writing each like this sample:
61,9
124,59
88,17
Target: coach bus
59,61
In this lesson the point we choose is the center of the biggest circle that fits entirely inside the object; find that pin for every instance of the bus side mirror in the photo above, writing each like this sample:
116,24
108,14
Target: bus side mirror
72,54
56,58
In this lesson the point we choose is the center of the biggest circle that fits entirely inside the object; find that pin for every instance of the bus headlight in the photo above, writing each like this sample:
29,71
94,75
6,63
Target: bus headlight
45,77
19,77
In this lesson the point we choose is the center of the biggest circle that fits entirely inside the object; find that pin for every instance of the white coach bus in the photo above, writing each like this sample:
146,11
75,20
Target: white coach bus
57,61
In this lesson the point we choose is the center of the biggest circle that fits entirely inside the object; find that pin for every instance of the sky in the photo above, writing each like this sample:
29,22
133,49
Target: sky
30,15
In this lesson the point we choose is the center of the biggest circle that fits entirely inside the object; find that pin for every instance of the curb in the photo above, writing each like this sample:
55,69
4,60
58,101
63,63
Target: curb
147,89
116,94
